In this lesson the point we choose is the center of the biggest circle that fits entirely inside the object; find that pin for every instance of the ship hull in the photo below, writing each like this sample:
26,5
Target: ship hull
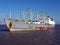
19,25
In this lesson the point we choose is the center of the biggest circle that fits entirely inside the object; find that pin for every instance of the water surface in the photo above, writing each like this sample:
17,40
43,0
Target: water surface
49,37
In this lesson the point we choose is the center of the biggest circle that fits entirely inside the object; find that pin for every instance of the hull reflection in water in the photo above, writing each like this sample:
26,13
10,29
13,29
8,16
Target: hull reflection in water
24,38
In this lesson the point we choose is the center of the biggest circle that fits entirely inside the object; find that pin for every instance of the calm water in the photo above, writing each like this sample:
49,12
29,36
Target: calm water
49,37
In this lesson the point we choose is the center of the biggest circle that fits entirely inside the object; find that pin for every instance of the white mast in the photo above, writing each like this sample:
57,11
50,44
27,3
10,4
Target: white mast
23,15
44,16
31,15
36,16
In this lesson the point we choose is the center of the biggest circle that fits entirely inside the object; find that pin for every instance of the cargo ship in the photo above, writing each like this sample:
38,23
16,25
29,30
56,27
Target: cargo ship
45,23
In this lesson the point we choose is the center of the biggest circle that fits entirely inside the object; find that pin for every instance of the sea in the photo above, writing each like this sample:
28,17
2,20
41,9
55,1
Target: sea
41,37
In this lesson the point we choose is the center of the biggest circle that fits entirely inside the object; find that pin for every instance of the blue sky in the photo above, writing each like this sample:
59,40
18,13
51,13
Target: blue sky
51,7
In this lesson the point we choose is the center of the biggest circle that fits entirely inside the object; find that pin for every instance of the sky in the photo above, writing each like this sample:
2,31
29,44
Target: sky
51,7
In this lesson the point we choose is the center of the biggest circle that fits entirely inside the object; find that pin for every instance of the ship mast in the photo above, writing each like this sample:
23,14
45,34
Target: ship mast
30,15
44,16
36,17
23,15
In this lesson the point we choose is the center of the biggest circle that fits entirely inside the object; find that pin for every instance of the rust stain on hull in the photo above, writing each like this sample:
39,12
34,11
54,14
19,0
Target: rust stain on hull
44,28
10,24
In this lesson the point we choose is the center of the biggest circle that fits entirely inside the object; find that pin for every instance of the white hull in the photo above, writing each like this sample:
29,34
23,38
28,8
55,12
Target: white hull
19,25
